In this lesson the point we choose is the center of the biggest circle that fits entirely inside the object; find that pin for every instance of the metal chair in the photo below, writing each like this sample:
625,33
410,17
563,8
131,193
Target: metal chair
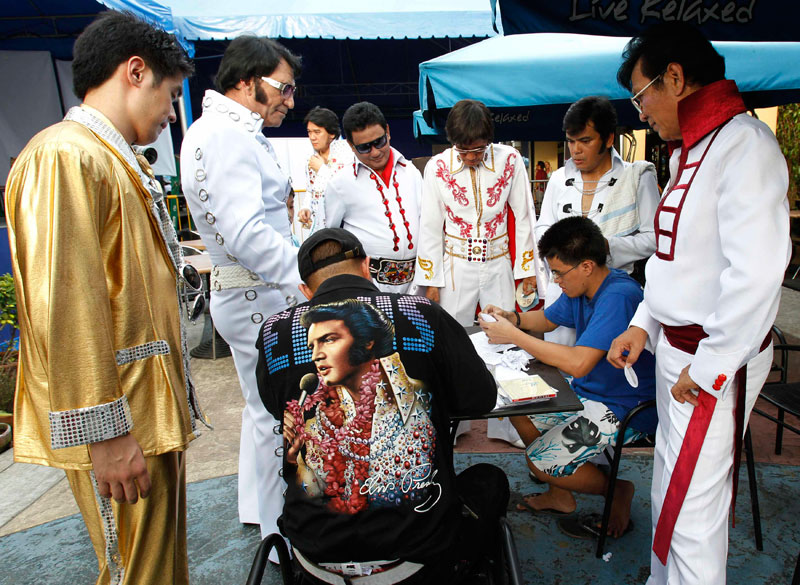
784,395
506,571
614,469
262,556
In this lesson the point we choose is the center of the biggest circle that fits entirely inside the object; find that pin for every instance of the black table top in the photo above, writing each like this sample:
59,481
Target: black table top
565,401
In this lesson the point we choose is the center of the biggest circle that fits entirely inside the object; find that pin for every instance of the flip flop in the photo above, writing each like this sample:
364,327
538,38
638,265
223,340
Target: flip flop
535,479
587,526
524,505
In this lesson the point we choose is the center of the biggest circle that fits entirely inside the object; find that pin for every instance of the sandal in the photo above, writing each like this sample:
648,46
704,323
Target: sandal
587,526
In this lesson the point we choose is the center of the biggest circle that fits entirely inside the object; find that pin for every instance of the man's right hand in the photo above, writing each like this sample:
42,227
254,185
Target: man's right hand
631,341
293,441
432,293
120,469
304,217
315,162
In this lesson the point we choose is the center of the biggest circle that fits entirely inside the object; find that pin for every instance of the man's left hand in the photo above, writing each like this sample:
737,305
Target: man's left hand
685,389
500,331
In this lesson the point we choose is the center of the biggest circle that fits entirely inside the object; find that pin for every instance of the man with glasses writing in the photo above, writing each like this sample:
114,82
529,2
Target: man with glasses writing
378,199
597,301
237,195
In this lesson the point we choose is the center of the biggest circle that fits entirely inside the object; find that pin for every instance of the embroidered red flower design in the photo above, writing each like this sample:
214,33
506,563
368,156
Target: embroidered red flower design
459,192
464,227
497,221
505,179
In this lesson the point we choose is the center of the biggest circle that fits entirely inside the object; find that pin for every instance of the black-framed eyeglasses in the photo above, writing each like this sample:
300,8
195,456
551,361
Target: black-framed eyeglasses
192,281
367,146
560,275
287,89
636,99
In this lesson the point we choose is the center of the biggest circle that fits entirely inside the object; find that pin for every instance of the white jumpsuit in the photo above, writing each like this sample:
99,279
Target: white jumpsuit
722,248
237,196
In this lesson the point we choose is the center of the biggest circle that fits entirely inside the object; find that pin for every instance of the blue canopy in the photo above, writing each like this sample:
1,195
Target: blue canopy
54,24
529,80
342,19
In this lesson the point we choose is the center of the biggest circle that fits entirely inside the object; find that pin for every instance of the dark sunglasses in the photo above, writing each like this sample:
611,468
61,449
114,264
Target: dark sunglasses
192,279
367,146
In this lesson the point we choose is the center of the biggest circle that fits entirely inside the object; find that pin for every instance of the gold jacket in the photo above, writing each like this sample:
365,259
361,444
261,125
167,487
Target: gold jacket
100,332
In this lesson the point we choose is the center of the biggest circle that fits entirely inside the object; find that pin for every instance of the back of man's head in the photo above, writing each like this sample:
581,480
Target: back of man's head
573,240
672,42
113,38
329,252
250,56
595,109
325,119
469,121
360,116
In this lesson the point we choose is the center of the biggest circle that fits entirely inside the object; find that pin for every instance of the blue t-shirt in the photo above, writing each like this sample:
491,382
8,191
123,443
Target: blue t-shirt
597,321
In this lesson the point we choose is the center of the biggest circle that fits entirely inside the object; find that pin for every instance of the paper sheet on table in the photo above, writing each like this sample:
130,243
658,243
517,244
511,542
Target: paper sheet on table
490,353
505,354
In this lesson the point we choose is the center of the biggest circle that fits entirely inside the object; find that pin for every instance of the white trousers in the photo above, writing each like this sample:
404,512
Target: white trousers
468,283
260,486
699,550
489,283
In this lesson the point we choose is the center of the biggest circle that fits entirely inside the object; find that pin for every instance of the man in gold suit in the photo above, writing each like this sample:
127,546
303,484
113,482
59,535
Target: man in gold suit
103,389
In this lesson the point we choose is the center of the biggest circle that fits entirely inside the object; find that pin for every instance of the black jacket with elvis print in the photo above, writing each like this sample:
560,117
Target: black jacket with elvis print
381,374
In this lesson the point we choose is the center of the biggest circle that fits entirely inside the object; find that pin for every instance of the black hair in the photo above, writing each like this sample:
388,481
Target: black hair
573,240
114,37
324,118
365,322
469,121
595,109
672,42
360,116
250,56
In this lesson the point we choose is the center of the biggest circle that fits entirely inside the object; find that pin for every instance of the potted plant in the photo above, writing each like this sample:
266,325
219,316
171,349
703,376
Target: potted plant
8,355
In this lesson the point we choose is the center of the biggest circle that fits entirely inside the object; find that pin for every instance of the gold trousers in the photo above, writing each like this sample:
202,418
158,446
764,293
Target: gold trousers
143,543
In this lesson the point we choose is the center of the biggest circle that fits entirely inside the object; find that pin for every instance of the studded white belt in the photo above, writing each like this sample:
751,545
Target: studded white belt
236,276
476,249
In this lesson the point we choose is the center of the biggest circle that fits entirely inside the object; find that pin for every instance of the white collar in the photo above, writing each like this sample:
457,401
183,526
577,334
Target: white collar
457,165
617,165
218,105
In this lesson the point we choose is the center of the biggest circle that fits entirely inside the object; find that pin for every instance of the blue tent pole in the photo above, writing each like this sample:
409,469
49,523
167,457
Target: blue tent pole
185,108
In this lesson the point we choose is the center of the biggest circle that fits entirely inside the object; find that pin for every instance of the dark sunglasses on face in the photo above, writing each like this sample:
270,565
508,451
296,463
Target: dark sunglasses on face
366,147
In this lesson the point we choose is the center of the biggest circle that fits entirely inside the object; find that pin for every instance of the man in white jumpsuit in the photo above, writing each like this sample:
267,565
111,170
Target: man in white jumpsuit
595,182
237,195
712,292
377,199
331,156
464,257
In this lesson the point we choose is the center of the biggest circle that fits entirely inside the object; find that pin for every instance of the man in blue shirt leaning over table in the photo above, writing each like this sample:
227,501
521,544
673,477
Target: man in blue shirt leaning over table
598,301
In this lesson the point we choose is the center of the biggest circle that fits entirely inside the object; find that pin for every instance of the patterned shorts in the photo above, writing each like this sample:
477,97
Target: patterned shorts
570,439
